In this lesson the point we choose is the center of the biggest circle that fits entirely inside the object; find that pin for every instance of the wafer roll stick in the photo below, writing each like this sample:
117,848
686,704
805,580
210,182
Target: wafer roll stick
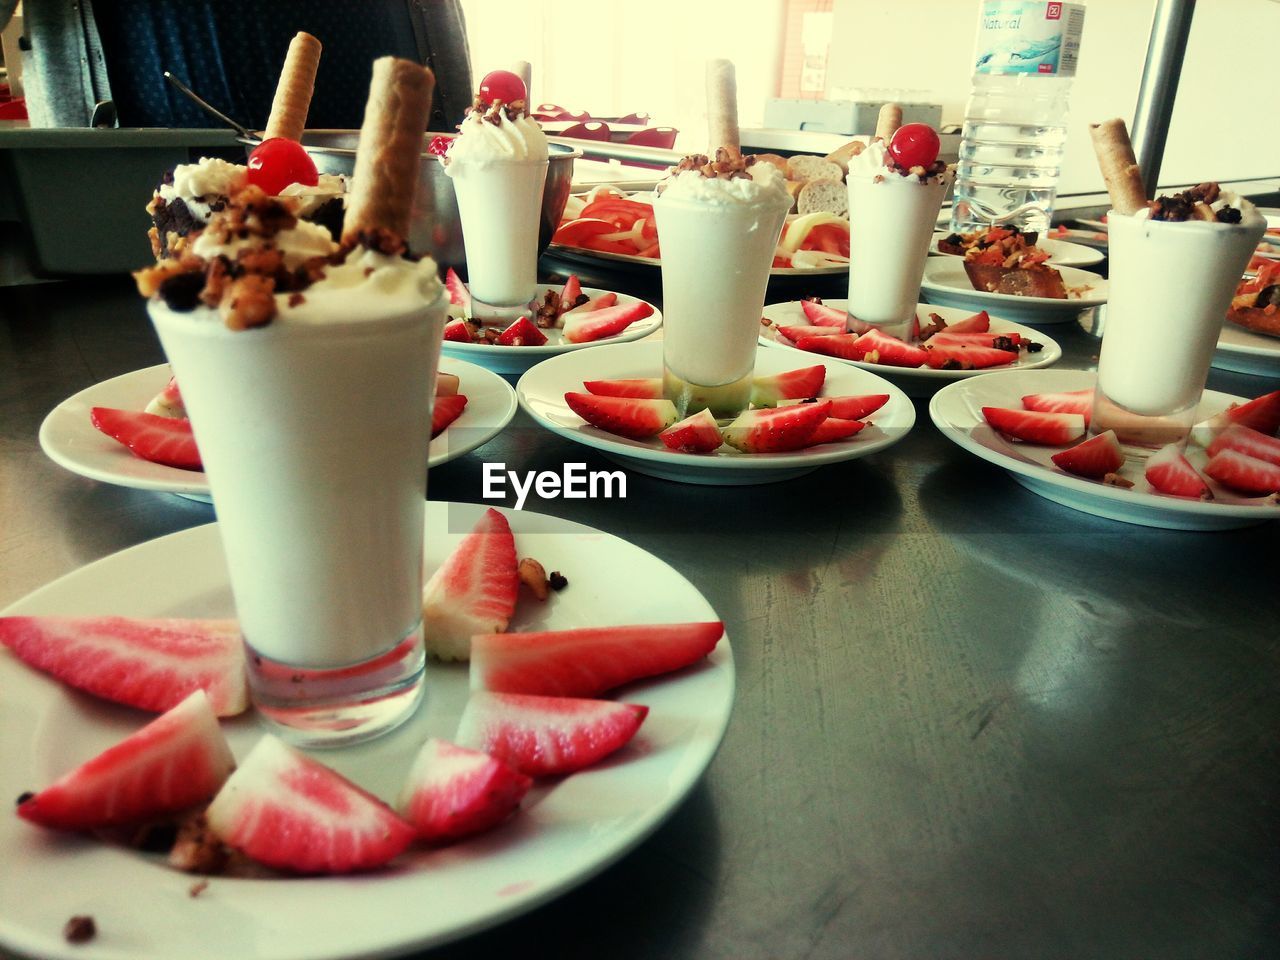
1118,165
390,149
722,108
889,120
524,70
293,91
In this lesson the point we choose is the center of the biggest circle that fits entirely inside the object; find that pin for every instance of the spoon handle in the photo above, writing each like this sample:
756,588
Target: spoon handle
207,107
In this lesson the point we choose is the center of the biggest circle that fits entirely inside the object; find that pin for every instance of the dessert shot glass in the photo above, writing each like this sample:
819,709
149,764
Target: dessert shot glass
500,207
1170,286
716,259
314,437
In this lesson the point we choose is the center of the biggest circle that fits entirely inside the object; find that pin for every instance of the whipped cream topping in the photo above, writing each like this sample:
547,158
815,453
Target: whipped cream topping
204,183
311,199
875,161
764,185
365,276
302,242
486,137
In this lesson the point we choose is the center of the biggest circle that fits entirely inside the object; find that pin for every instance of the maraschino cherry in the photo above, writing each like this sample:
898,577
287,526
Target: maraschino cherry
276,163
914,145
503,86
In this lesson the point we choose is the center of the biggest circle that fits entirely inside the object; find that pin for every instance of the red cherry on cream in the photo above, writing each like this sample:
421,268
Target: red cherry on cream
502,85
276,163
914,145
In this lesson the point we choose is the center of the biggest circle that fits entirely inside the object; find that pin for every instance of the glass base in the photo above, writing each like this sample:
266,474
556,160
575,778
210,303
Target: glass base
725,401
902,329
1139,430
338,706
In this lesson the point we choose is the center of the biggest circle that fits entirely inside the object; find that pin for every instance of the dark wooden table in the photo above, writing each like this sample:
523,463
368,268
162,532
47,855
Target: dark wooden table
969,722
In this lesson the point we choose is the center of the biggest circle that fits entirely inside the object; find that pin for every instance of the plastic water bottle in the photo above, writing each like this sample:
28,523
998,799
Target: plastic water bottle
1015,125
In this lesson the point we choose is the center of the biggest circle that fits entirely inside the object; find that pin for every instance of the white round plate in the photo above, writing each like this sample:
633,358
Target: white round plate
567,831
596,258
1061,252
946,283
1244,351
510,361
71,441
916,381
541,393
957,411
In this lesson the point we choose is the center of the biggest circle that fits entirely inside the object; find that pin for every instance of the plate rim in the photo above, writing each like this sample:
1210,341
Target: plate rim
599,256
1022,304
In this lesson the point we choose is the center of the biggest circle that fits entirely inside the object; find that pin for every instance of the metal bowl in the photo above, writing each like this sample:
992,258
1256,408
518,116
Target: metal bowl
435,227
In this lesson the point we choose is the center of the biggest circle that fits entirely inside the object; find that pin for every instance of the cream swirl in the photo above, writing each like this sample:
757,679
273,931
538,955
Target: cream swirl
495,136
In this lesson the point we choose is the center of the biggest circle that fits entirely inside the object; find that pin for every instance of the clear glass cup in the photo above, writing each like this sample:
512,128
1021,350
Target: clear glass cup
1170,286
716,259
314,438
500,207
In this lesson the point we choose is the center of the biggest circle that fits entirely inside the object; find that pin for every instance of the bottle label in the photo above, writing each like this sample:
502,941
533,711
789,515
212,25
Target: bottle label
1029,36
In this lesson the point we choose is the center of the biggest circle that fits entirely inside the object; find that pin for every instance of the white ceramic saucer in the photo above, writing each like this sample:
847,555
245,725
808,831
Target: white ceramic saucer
946,283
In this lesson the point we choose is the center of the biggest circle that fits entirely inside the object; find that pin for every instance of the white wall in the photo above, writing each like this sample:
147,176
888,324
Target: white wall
1225,120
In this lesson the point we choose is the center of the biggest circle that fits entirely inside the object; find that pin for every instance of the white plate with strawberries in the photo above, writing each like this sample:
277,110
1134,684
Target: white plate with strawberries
564,831
969,344
1023,420
564,318
804,415
70,439
946,283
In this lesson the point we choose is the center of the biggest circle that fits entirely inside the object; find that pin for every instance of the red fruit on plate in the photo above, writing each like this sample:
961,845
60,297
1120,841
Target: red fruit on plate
803,384
276,163
978,323
1094,458
438,146
1169,471
605,322
1261,414
1250,442
944,354
625,416
855,408
1072,401
878,347
914,145
586,662
502,86
834,428
570,293
459,295
452,792
1053,429
798,331
1001,341
447,384
696,434
842,345
522,333
547,736
164,440
288,811
168,402
1244,473
776,430
149,664
641,388
445,410
821,315
176,761
460,331
590,306
473,591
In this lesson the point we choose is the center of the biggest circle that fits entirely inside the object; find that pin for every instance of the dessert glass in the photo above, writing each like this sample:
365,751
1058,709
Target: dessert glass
1170,286
314,438
500,206
716,258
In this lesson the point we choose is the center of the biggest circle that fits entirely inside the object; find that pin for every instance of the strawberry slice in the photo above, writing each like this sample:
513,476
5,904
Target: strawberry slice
696,434
459,295
1072,401
1001,341
944,354
642,388
978,323
843,345
625,416
286,810
606,322
163,440
1250,442
1054,429
1169,471
149,664
586,662
834,428
168,402
878,347
855,408
445,410
447,384
1236,470
776,430
803,384
1094,458
590,306
821,315
570,294
1261,414
452,792
474,591
176,761
522,333
460,331
547,736
798,331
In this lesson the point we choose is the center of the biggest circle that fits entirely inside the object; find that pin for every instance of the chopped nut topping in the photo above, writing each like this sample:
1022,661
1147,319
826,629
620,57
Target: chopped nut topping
197,888
534,576
79,929
726,165
557,581
494,112
197,850
1193,204
1115,480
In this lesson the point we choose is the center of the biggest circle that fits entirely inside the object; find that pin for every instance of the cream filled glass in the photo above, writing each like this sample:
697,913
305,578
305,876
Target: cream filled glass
498,165
719,231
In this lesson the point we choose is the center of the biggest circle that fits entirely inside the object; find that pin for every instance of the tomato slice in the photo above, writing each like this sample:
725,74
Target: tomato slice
574,232
618,210
829,238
